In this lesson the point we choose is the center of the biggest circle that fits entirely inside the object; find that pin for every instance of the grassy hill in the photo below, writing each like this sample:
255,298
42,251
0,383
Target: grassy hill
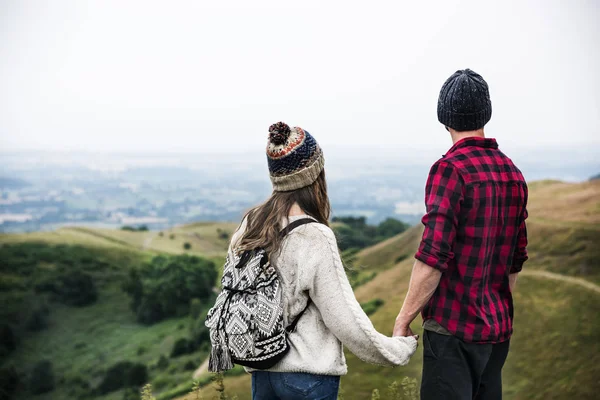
83,342
555,351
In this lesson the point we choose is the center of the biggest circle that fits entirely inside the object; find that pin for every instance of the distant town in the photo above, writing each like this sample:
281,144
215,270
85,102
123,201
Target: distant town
43,191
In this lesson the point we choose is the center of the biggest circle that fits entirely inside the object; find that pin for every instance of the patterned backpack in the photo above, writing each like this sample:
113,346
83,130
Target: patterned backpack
246,322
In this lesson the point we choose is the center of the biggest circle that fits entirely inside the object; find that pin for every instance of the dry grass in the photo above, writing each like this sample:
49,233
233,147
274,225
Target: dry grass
204,238
61,236
565,202
239,386
391,251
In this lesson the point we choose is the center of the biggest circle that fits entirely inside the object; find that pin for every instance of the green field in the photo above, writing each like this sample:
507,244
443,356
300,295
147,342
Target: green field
83,342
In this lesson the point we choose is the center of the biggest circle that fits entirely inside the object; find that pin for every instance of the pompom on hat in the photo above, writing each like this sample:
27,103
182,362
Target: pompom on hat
294,157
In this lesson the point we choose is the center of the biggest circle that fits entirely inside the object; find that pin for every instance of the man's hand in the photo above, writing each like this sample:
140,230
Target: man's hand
401,328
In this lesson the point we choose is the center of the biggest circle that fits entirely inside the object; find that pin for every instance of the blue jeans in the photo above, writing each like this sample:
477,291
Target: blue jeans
293,386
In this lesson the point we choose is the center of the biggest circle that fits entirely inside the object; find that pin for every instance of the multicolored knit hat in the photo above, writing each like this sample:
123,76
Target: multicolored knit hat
294,157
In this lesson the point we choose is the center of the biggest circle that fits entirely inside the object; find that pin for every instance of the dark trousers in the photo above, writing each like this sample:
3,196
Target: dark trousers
455,370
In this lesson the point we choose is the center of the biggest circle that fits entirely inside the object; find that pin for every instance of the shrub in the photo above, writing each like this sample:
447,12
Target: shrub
371,306
138,375
189,366
195,308
401,258
42,378
115,378
9,380
161,234
199,333
165,287
357,279
356,233
172,236
134,287
38,321
141,228
131,394
73,288
163,381
187,246
182,346
391,227
78,289
7,340
122,375
163,362
150,311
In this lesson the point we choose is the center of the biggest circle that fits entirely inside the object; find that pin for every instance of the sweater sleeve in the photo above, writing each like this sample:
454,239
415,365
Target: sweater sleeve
330,290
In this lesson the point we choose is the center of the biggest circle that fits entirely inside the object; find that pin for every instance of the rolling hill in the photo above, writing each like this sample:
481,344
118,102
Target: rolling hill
83,342
555,350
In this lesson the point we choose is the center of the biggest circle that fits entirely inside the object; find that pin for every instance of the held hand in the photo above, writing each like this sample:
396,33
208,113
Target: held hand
402,328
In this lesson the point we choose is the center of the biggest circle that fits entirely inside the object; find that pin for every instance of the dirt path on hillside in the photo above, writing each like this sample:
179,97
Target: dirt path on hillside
148,242
90,232
201,369
563,278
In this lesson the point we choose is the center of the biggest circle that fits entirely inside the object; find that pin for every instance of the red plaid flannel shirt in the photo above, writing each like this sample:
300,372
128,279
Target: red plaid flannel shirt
475,235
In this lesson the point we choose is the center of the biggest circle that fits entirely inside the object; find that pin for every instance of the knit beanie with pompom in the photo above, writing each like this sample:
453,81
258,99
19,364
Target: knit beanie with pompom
294,157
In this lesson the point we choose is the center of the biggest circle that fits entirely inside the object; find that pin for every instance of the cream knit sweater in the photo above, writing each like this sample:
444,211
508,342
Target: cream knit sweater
309,265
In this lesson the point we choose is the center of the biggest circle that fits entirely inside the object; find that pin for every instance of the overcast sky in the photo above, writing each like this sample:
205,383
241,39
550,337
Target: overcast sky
149,76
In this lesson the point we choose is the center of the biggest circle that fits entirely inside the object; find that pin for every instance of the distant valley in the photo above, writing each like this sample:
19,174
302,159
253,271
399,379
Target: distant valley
46,191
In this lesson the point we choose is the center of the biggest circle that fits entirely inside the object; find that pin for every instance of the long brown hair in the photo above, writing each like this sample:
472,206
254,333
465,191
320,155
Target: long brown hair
264,222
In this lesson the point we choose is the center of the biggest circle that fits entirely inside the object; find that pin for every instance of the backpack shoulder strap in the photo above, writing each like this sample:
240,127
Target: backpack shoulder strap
293,225
292,327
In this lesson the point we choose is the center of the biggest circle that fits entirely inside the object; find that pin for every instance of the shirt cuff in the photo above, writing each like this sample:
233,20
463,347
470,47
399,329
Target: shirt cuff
432,261
517,266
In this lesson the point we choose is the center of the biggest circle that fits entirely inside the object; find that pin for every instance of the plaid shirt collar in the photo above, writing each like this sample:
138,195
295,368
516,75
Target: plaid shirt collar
473,141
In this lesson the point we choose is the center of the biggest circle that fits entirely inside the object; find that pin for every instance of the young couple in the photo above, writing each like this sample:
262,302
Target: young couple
465,271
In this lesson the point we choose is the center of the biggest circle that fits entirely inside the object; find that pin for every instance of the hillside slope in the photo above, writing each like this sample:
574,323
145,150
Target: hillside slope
555,349
207,239
82,342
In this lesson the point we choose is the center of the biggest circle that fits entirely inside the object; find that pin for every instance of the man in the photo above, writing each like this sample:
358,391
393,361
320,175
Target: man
473,247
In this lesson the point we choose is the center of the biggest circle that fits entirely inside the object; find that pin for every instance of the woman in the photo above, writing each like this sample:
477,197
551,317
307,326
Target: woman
312,276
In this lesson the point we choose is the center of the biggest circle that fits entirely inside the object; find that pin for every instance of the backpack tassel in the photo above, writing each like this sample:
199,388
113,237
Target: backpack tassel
220,359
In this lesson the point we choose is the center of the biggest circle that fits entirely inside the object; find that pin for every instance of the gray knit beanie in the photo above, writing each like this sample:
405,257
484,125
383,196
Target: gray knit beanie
464,103
294,157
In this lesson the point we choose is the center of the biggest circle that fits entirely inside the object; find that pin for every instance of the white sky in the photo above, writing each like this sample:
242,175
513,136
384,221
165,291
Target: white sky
148,76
